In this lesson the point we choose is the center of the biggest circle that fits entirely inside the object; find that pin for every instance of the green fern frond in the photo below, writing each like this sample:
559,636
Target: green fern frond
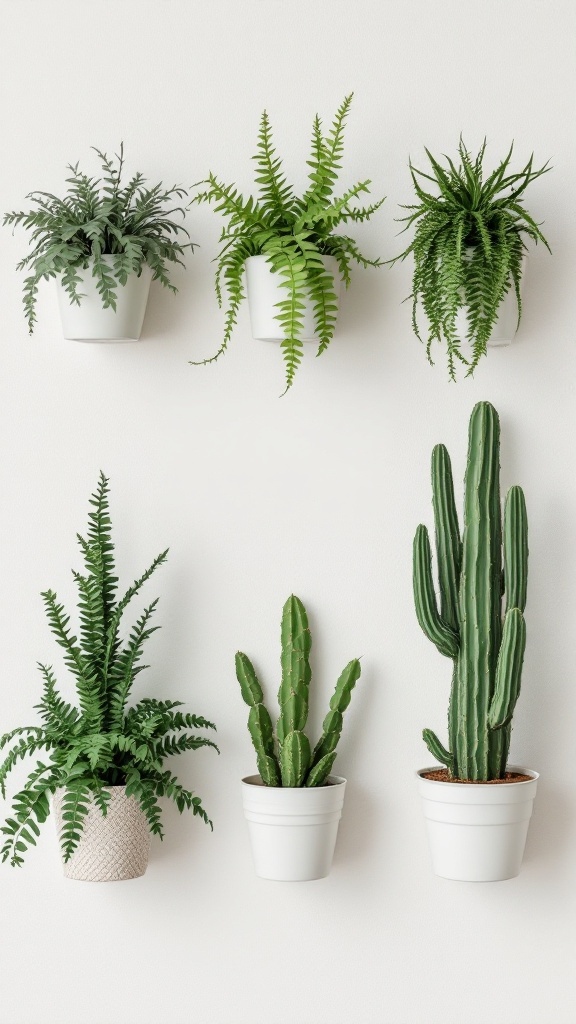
467,248
103,742
97,218
293,232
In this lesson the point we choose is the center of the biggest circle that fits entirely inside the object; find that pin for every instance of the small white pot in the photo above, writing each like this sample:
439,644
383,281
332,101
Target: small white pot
112,848
265,292
477,831
91,322
506,326
293,831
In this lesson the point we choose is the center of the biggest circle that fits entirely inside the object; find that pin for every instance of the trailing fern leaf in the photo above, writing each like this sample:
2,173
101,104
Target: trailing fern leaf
468,248
129,224
102,742
293,233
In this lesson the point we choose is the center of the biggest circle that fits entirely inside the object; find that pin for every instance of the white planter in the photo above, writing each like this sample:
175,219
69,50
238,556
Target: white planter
293,831
112,848
265,292
477,831
506,325
91,322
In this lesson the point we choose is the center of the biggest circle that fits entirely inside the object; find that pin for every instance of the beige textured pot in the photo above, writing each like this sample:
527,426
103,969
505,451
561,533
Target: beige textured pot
112,848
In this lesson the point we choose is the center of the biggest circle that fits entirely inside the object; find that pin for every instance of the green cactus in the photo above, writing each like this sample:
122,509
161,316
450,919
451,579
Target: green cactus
473,575
288,760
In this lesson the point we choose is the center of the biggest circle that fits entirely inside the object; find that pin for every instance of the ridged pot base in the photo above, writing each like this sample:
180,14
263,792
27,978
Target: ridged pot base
112,848
477,832
293,831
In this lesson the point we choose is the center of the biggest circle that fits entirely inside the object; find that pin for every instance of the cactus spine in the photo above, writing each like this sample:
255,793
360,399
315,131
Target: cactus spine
289,760
487,650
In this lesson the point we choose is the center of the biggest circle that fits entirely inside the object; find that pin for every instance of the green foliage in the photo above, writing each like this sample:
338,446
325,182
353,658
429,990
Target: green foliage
102,742
293,233
130,224
468,247
287,758
485,642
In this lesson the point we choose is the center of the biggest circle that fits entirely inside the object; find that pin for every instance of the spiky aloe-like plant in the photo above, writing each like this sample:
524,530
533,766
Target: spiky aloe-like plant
287,759
485,642
101,742
100,217
468,248
293,232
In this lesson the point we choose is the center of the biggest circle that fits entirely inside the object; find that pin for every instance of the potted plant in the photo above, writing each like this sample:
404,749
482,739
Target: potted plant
477,789
103,242
469,251
294,261
102,760
294,804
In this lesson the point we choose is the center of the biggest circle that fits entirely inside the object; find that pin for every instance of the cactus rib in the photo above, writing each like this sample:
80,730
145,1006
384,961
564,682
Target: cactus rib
425,598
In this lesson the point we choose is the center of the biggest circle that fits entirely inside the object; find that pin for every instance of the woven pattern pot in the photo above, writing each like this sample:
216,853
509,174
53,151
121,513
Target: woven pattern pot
111,848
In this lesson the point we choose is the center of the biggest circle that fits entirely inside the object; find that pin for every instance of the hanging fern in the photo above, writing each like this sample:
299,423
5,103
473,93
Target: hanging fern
102,742
468,248
293,233
129,224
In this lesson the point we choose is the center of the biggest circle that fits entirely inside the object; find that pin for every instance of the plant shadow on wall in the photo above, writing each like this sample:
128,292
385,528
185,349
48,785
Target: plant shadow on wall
287,245
103,243
102,761
469,253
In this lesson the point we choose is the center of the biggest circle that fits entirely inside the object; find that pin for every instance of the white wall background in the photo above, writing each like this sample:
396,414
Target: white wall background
317,493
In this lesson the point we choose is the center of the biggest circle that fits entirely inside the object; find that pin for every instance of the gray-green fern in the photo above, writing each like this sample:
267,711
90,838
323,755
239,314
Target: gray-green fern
101,741
131,223
293,232
468,248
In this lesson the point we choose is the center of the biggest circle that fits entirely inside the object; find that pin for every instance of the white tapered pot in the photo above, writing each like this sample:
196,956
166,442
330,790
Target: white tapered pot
265,291
293,831
113,848
506,326
89,321
477,831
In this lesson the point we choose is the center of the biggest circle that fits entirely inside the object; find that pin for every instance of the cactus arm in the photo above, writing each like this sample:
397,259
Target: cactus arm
246,676
448,543
320,772
332,725
444,638
437,749
294,759
259,722
515,549
296,672
509,670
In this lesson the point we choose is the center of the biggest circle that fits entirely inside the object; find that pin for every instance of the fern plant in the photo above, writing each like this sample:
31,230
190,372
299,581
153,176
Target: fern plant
293,233
101,741
468,247
130,223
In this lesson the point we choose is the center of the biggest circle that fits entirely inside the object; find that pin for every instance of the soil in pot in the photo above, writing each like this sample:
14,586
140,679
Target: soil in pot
442,775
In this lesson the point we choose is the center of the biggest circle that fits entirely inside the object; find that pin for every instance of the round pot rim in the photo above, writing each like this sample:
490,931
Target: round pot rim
519,769
251,783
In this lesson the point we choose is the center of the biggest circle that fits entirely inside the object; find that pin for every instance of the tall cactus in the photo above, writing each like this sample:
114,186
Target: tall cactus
487,650
288,759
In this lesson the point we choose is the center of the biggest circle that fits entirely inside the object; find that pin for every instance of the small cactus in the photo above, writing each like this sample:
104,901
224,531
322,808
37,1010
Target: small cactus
474,573
288,759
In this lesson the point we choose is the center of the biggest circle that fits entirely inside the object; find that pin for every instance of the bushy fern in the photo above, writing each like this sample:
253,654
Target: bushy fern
468,247
101,741
130,223
293,233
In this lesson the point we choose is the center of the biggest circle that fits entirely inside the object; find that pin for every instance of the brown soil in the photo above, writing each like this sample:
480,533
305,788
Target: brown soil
441,775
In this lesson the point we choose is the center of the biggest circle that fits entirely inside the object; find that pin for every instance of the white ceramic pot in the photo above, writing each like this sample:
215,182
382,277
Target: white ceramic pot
91,322
506,325
477,831
112,848
293,831
265,292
